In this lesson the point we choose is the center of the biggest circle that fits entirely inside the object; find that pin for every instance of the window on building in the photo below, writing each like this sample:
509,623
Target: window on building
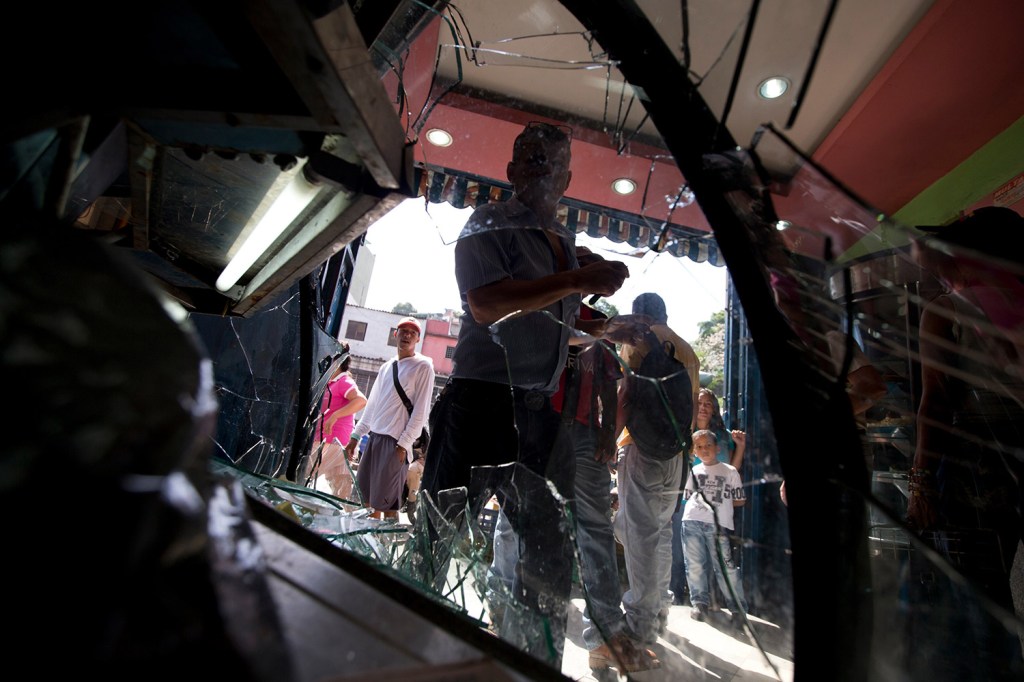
356,330
393,337
449,352
364,379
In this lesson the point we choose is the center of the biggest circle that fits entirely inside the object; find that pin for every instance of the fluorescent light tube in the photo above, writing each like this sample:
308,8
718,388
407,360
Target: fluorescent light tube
294,197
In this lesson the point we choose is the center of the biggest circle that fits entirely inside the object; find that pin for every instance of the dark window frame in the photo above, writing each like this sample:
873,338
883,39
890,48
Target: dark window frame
353,332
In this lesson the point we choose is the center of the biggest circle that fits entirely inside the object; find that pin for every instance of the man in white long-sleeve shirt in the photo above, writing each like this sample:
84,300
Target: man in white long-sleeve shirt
393,428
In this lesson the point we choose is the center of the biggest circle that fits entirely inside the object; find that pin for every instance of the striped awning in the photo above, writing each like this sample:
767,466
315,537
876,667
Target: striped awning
461,190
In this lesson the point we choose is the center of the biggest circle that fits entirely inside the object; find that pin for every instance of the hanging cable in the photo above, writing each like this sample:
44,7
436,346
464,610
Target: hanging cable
798,102
684,11
751,21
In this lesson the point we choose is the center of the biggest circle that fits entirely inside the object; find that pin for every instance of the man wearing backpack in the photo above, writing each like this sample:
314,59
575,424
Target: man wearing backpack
652,462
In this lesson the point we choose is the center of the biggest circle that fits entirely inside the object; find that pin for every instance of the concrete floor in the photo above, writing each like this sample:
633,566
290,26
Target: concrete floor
693,650
688,649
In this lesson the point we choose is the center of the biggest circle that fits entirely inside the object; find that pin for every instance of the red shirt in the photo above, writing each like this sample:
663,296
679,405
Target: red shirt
593,363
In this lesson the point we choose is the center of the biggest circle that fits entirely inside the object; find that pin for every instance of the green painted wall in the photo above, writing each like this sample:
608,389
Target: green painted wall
999,161
981,174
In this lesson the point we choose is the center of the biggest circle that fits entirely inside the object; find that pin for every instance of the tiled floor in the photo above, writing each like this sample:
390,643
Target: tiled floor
692,650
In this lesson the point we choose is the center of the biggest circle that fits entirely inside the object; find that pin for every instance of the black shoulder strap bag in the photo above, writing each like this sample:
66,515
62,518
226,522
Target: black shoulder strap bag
421,442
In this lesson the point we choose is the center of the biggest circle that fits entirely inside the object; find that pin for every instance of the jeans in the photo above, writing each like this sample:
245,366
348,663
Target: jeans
678,581
595,541
702,559
484,424
502,571
648,490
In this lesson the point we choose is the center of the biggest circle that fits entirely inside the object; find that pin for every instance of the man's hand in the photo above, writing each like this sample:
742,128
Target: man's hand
627,328
603,278
352,448
402,454
494,301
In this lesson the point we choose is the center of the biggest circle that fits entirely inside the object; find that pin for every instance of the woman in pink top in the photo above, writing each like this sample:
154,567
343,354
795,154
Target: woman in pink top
342,400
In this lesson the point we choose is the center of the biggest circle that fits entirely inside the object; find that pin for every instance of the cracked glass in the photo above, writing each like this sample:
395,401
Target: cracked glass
697,409
563,538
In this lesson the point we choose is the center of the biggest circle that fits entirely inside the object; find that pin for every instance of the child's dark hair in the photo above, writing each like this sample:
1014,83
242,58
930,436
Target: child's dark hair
704,432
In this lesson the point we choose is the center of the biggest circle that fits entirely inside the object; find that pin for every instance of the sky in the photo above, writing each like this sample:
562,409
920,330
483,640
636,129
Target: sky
414,247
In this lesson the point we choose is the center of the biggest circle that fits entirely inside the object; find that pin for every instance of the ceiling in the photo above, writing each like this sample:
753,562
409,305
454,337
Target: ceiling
900,95
166,127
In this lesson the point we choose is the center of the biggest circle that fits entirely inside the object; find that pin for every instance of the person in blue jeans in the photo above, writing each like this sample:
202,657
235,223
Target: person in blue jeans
648,486
587,400
589,404
713,489
731,446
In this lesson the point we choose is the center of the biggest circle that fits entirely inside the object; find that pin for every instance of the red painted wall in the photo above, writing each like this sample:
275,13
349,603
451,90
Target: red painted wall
436,341
951,86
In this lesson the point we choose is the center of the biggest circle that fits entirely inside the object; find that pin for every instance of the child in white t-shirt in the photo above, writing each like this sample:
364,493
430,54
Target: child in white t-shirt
712,490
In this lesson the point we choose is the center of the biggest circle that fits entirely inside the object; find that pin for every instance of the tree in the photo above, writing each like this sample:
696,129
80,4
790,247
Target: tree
403,309
709,326
710,349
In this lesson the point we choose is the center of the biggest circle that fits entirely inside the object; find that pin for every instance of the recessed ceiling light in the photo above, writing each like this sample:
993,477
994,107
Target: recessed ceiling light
623,186
783,225
771,88
438,137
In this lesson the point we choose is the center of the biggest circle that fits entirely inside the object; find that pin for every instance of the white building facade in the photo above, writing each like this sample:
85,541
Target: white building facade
370,335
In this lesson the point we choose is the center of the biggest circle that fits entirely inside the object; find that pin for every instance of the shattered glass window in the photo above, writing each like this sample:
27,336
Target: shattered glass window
698,410
507,548
517,548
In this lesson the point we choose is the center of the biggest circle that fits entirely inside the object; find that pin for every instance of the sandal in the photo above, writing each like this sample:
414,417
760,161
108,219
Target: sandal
623,654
